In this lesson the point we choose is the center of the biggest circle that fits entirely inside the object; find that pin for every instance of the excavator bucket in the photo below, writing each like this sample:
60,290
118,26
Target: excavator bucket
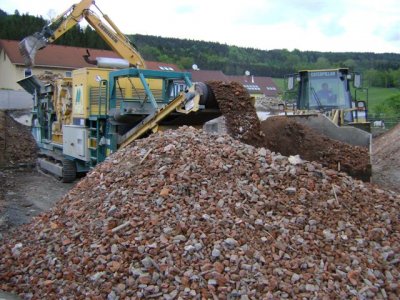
30,45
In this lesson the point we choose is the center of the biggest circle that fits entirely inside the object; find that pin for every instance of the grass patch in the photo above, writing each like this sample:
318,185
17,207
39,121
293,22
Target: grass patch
377,96
280,83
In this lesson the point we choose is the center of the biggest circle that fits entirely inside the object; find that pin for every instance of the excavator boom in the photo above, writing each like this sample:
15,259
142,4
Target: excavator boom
107,30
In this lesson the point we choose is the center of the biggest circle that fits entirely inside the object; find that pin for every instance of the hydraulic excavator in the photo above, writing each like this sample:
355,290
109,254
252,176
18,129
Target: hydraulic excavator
77,122
107,30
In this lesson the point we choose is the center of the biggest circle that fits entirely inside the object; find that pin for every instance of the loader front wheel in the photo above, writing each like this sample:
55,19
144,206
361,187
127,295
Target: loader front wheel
68,171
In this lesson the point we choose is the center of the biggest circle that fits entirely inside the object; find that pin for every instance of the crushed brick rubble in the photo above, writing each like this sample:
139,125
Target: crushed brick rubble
17,145
188,215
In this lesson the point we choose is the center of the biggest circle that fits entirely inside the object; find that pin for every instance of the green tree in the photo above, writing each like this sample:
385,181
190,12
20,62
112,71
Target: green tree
380,70
350,63
389,108
395,78
322,63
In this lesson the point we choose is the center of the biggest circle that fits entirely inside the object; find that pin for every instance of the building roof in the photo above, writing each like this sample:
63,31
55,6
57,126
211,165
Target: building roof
254,84
56,56
257,84
207,75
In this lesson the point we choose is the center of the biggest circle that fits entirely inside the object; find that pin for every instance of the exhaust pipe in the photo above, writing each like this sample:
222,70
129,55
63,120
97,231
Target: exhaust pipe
30,45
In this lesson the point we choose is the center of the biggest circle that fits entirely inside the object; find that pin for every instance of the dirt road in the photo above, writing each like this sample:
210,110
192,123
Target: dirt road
25,193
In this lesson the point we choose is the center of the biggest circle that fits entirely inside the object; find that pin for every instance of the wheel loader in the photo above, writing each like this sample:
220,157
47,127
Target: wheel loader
324,102
79,121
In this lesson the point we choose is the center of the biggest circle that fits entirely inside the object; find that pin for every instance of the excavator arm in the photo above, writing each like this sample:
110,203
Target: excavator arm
110,33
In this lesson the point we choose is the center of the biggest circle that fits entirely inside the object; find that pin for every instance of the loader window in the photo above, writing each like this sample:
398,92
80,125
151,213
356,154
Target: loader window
324,91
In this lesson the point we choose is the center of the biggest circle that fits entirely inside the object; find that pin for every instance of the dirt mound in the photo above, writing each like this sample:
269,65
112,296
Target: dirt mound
386,159
190,215
288,137
17,145
240,114
284,135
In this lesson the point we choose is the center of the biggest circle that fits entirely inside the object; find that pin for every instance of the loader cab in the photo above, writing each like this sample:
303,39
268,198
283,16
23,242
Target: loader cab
324,90
327,91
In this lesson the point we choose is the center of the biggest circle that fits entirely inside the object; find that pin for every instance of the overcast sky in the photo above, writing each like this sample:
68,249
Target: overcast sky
320,25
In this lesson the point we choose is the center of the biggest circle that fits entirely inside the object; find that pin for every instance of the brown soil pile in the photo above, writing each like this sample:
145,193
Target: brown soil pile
284,135
17,145
240,114
184,214
288,137
386,159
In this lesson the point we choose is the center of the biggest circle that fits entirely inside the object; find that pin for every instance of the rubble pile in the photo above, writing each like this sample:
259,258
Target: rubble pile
284,135
289,137
386,159
49,77
17,145
268,104
240,114
183,214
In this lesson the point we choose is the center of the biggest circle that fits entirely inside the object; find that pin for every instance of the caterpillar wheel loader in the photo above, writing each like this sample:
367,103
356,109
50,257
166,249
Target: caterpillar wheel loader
79,121
324,102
